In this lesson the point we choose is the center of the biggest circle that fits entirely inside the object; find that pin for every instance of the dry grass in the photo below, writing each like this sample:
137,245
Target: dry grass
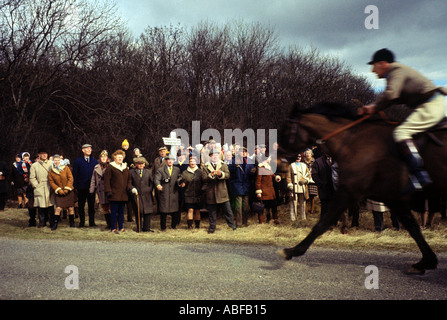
13,224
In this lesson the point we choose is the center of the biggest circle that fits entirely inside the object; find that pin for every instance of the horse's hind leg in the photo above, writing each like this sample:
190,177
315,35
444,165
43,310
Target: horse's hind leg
336,207
429,259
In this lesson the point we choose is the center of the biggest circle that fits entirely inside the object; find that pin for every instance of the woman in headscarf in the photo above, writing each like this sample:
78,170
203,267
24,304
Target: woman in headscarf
61,181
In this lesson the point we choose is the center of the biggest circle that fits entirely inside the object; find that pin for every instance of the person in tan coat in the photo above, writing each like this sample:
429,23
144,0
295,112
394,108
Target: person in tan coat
265,190
61,181
214,174
297,179
117,183
43,196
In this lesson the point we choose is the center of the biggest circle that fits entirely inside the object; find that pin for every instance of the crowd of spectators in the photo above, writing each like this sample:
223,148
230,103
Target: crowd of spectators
209,178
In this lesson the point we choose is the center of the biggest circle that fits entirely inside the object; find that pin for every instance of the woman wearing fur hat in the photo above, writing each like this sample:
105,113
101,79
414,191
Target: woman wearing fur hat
97,184
265,190
61,181
117,182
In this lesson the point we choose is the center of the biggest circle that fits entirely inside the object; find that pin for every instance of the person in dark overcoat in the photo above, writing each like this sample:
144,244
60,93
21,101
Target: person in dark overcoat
143,181
4,186
117,184
82,174
182,163
242,172
20,177
167,179
322,175
97,184
193,184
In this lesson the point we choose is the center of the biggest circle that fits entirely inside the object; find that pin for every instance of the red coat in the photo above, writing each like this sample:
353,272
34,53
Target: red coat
264,182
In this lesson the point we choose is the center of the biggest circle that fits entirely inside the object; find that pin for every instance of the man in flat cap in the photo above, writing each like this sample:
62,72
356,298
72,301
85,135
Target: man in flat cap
215,173
43,197
407,86
82,174
167,180
160,160
143,184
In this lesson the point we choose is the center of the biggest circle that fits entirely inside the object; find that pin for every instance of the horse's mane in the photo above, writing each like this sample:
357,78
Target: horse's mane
332,110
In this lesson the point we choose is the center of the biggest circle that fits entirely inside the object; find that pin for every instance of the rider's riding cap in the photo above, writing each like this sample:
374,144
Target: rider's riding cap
382,55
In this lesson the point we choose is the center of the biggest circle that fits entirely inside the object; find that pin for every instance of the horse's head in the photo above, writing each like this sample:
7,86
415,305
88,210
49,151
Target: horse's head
292,138
305,126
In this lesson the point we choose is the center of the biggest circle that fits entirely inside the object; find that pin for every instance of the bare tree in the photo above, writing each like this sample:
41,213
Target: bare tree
40,42
70,71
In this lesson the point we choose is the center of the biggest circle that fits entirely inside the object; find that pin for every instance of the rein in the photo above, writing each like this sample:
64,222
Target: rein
354,123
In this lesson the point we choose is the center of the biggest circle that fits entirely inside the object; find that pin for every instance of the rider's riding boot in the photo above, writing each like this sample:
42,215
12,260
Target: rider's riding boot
419,178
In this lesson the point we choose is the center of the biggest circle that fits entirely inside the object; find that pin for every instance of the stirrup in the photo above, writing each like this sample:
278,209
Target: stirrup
418,181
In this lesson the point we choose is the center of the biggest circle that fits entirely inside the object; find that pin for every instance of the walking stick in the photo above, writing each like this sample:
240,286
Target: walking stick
293,213
138,208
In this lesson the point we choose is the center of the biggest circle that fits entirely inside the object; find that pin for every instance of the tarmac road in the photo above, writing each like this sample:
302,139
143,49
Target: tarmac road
35,270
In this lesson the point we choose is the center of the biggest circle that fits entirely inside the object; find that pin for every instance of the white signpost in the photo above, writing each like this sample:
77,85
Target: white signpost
171,142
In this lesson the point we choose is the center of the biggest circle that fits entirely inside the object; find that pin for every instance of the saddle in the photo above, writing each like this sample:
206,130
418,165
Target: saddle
442,125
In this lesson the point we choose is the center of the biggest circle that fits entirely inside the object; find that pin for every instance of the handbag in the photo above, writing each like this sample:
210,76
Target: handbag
258,206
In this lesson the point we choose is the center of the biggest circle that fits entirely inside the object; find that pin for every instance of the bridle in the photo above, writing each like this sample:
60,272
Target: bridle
295,128
354,123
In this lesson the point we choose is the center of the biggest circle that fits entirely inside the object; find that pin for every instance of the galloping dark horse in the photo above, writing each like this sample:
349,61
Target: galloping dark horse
369,168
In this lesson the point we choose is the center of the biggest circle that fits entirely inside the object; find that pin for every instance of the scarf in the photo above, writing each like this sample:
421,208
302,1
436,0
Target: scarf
22,167
58,168
104,165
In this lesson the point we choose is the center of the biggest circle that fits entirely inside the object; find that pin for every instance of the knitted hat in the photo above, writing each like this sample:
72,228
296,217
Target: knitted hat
125,143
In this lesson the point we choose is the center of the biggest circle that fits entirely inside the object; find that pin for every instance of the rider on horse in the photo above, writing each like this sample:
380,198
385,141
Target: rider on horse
407,86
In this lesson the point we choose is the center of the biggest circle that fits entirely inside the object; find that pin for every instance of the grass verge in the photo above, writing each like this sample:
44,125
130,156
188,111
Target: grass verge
14,224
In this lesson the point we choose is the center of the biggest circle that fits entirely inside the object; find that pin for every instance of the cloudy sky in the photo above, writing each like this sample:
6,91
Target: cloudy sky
415,30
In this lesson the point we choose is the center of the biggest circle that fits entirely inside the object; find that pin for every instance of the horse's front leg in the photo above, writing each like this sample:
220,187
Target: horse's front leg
339,203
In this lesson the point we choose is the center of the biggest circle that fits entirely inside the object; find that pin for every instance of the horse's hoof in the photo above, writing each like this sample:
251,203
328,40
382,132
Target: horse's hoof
286,253
415,271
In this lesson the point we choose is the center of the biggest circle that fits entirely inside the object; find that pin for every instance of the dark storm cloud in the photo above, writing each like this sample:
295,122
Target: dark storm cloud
413,29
